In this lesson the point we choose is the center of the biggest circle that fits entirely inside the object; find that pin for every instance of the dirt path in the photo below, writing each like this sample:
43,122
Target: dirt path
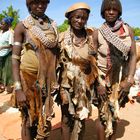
129,125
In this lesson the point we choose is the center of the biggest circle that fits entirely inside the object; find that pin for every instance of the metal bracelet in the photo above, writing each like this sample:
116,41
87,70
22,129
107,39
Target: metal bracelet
17,85
17,43
130,79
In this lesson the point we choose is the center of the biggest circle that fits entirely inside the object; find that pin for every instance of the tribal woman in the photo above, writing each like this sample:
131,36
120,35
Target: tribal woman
116,58
34,60
78,72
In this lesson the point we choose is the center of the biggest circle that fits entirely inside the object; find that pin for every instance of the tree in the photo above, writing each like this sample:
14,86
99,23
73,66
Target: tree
136,31
64,26
12,13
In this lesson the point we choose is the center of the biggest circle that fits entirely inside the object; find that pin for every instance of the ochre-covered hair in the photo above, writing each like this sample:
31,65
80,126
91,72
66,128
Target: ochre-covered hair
107,4
28,2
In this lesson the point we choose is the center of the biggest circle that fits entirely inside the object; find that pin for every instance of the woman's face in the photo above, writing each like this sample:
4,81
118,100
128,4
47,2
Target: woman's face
78,18
4,25
111,15
38,7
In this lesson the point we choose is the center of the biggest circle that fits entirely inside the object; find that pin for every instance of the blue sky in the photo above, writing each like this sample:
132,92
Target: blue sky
57,8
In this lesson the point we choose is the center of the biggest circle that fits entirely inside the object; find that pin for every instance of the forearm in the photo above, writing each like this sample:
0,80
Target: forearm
5,47
132,65
132,68
16,70
16,74
16,53
133,56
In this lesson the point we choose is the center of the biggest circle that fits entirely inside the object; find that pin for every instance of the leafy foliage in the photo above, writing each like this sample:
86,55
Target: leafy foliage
136,31
64,26
12,13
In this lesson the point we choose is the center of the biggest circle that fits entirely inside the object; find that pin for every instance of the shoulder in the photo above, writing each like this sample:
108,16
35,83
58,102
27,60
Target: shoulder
127,25
50,19
61,36
19,27
90,30
130,29
93,32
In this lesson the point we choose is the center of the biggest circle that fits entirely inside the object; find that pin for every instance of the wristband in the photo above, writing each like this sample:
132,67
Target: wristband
17,85
130,79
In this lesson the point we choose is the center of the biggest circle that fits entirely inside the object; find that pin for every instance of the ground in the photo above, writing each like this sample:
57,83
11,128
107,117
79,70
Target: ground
10,124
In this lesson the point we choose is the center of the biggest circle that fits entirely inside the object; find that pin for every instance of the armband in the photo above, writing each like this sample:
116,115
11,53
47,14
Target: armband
17,43
14,56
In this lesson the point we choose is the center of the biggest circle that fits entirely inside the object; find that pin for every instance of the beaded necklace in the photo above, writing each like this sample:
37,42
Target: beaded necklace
69,45
43,22
40,19
114,39
39,33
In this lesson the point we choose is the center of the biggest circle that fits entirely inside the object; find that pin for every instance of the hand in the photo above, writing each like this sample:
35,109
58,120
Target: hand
125,86
21,98
123,98
102,93
123,93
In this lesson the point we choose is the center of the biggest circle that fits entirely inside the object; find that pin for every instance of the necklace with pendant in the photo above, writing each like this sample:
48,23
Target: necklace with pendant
42,22
45,26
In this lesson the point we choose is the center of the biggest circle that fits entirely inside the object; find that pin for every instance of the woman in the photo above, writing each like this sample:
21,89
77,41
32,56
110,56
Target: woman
77,72
116,60
6,42
33,60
